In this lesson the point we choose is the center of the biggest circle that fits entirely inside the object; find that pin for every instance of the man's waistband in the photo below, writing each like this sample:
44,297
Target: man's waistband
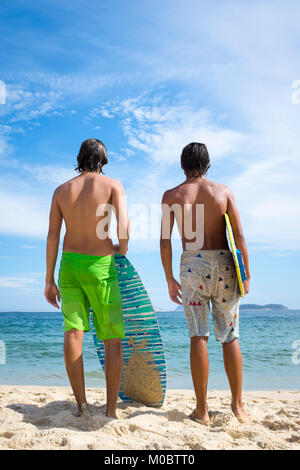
81,257
205,253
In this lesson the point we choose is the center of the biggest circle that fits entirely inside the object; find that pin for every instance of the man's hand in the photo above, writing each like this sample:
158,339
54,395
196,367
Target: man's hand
120,251
246,285
175,291
52,294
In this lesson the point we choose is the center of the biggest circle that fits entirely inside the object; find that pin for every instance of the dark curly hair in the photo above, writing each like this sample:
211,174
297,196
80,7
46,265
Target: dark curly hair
92,156
195,159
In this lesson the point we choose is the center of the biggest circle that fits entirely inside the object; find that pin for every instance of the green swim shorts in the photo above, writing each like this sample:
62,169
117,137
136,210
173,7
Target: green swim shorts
91,281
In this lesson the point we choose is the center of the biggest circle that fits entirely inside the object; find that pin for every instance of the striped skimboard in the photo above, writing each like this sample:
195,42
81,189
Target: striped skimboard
144,370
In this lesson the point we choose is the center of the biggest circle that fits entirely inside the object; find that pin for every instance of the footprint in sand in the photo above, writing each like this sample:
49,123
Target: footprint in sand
43,421
65,442
7,435
196,446
287,413
118,430
276,425
295,438
218,419
241,433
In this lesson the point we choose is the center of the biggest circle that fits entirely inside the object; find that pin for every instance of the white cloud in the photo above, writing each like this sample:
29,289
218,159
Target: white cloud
2,145
52,174
24,208
2,92
17,282
268,198
160,130
28,105
102,111
23,214
78,84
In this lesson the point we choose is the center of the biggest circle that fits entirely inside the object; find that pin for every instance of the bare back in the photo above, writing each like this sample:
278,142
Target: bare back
78,200
214,197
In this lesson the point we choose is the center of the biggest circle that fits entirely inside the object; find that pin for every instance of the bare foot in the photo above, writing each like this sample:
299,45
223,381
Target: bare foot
200,417
240,413
83,410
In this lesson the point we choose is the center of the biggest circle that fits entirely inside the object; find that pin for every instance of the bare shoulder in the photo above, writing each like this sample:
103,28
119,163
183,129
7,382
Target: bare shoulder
64,187
114,184
216,186
219,188
170,195
227,191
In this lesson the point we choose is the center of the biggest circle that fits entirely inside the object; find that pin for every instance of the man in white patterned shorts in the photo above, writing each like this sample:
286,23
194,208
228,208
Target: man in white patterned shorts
208,276
207,272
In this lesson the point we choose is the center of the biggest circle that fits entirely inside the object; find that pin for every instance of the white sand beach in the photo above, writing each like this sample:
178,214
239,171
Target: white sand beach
34,417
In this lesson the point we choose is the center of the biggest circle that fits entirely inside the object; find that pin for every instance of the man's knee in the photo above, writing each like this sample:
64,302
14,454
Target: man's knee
74,335
113,345
230,342
196,339
108,342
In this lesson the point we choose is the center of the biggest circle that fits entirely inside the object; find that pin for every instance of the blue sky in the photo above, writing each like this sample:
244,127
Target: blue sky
147,78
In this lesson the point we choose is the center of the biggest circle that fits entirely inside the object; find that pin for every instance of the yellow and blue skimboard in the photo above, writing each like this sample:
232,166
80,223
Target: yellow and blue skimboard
237,257
144,370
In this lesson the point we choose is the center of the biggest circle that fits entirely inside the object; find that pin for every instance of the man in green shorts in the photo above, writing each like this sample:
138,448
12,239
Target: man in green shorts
87,274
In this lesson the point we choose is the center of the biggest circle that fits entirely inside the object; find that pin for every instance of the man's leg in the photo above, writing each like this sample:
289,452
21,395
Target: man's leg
234,369
74,364
200,369
113,372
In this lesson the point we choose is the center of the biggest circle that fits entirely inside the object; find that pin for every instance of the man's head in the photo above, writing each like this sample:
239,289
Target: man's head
195,160
92,156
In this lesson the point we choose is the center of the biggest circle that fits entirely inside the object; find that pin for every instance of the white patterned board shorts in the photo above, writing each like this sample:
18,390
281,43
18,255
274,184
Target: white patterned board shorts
209,277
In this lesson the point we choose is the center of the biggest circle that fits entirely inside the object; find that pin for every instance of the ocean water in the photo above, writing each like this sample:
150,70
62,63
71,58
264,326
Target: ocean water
34,351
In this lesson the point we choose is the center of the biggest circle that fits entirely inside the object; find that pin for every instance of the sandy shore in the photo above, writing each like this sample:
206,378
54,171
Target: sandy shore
44,418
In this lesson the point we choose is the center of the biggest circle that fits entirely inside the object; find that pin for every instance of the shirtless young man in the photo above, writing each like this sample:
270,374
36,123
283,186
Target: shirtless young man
87,275
207,273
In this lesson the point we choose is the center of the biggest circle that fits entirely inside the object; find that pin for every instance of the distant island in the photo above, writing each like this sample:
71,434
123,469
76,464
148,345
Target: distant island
263,307
253,307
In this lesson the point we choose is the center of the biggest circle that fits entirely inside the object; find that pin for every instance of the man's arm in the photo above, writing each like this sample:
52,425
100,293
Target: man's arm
239,239
55,222
167,224
119,206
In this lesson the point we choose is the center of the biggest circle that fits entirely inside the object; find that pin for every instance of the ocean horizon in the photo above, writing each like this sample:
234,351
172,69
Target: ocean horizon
34,350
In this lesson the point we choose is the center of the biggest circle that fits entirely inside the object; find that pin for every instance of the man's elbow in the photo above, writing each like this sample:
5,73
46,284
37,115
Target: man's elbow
53,236
123,233
239,239
165,242
123,229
